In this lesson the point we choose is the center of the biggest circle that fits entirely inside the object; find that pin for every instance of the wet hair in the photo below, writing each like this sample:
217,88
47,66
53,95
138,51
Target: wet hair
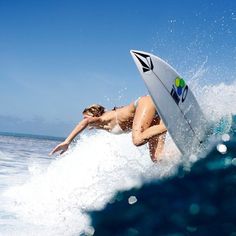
94,110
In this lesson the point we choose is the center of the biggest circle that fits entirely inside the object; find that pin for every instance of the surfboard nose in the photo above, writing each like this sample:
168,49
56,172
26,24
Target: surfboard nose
135,52
142,60
139,52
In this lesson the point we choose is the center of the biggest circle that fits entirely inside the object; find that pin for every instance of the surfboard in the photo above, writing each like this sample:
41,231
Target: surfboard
174,101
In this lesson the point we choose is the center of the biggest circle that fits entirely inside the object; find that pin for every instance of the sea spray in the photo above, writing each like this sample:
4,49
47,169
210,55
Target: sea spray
58,197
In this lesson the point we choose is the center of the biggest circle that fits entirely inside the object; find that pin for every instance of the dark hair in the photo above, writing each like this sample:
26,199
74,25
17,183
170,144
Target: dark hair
94,110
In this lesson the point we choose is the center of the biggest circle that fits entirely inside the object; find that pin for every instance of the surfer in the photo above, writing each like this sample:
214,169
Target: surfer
140,117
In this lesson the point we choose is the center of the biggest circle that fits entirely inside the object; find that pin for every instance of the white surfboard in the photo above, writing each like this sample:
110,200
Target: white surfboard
174,101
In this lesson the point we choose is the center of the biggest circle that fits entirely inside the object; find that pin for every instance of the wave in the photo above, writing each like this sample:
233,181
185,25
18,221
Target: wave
56,199
84,179
198,202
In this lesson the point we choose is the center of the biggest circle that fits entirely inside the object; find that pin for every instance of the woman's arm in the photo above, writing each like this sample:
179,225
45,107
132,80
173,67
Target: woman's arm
154,130
140,138
78,129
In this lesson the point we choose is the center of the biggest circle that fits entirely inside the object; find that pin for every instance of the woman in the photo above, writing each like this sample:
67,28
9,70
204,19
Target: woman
139,116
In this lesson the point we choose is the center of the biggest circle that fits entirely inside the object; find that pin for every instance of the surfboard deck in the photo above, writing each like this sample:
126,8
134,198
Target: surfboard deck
174,100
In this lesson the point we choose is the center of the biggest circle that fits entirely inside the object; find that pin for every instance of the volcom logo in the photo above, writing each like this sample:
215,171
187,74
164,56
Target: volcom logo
145,61
179,90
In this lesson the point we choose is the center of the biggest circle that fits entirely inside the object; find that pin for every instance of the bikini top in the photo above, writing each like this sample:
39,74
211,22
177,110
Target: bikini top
116,129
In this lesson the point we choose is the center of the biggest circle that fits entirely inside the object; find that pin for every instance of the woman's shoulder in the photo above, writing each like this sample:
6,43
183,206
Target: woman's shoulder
126,111
107,116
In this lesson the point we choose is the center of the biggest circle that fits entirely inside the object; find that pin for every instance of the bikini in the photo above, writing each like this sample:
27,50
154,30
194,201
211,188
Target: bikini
117,129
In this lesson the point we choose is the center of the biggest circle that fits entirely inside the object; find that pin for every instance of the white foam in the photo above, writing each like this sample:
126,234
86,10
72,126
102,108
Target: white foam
56,199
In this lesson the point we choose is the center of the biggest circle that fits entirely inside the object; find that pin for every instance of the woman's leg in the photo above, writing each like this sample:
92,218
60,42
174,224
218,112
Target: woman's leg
145,124
143,118
156,145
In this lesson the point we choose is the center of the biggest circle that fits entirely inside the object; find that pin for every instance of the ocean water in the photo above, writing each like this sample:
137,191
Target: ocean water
200,201
42,195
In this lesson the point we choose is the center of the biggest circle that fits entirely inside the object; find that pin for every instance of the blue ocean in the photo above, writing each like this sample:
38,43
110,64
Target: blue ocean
104,185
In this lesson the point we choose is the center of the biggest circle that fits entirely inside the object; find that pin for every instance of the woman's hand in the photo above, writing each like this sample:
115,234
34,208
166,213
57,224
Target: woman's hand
61,147
81,126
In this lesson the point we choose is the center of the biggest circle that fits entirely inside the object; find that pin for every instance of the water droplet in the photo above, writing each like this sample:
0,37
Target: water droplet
132,200
221,148
225,137
90,231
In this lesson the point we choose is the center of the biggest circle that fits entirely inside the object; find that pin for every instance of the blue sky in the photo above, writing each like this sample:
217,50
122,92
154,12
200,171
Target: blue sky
56,57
